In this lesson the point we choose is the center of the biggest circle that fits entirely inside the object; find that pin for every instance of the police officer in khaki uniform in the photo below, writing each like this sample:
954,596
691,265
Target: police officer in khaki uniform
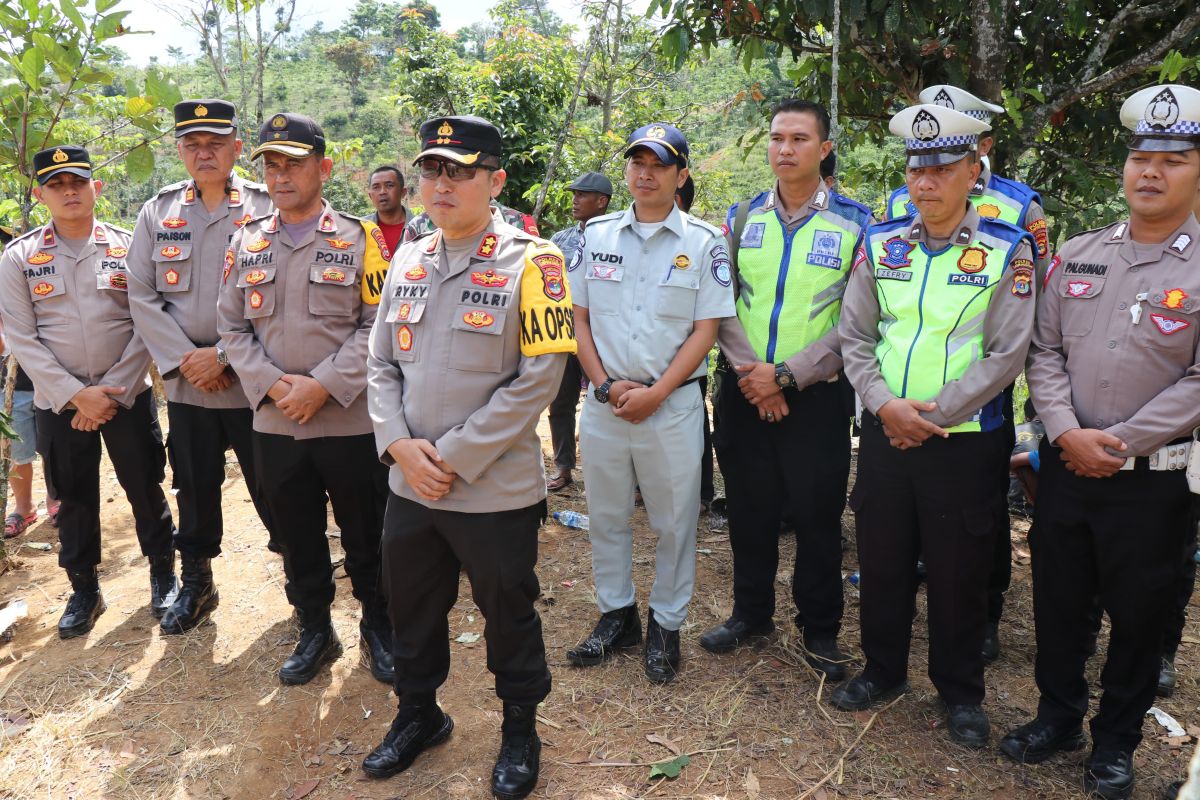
1114,373
472,336
300,294
935,323
175,264
63,294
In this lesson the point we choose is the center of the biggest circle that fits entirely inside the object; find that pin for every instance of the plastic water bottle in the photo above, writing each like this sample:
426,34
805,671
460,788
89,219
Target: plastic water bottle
571,519
853,578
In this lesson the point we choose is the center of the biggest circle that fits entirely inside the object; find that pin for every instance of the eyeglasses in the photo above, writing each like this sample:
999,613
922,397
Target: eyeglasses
432,167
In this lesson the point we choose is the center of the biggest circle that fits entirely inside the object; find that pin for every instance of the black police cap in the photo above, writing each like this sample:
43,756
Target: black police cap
293,135
463,140
65,158
207,116
665,141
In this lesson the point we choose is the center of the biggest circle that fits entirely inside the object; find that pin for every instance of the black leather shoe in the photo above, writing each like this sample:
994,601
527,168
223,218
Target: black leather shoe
163,586
824,656
1035,741
861,693
516,772
318,646
1167,678
660,658
1109,774
415,729
616,630
197,598
991,642
375,646
84,607
729,634
968,726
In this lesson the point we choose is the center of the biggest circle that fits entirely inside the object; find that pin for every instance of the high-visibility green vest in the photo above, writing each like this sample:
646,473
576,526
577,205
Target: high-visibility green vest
791,284
932,307
997,198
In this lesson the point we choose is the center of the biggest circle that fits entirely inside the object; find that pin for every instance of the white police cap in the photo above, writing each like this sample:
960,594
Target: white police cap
1163,118
959,100
935,135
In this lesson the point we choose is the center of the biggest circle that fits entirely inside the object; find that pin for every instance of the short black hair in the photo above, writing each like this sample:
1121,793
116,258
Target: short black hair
388,168
829,165
686,194
796,106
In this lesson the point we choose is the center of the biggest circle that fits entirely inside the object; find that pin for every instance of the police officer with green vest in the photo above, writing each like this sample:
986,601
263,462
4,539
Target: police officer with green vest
783,438
935,323
994,197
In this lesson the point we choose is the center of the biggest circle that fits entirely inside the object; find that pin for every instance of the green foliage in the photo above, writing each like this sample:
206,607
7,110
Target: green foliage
669,769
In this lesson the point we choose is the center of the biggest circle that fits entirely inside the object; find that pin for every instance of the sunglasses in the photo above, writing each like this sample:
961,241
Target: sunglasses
430,168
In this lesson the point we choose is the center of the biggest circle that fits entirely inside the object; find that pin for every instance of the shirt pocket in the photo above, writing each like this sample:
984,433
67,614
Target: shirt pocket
332,290
476,340
173,267
259,285
47,287
604,287
1170,318
675,297
1080,305
403,317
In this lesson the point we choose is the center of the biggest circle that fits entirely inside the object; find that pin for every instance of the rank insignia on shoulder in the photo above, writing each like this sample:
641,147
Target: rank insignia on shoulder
416,273
487,246
258,245
241,223
1181,242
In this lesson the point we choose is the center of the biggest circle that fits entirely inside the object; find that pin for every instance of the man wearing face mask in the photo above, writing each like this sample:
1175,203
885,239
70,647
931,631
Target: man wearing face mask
1114,372
176,259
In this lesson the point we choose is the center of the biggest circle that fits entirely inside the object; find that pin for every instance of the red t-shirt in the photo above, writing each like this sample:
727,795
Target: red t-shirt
391,234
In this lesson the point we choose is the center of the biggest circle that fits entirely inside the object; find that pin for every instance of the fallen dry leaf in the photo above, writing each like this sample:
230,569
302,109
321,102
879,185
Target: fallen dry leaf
751,784
302,789
654,738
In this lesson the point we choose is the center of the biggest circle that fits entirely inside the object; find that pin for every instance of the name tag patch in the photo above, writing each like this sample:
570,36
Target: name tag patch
892,274
960,279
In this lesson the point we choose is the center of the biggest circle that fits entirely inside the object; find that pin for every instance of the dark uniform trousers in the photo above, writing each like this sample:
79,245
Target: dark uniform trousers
135,447
797,467
424,550
562,415
296,476
196,445
938,499
1000,577
1119,539
1177,616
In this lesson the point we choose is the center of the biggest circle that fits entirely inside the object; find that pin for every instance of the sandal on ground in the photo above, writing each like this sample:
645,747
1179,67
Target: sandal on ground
560,482
15,524
52,511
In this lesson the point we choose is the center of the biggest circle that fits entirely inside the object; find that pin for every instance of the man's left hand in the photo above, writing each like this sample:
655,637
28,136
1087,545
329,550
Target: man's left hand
636,405
304,400
200,367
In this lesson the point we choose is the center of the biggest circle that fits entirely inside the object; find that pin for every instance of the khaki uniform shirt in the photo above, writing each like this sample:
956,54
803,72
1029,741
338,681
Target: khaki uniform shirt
66,316
175,266
1007,326
1093,366
643,296
467,351
303,308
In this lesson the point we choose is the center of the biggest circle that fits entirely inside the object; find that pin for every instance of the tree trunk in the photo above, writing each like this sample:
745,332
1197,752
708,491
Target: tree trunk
259,105
614,59
988,55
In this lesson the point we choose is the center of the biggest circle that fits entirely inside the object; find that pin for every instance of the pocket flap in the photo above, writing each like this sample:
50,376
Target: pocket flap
406,311
255,277
332,276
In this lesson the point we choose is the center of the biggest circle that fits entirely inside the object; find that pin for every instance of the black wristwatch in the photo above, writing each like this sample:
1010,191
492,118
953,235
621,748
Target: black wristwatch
222,356
601,391
784,377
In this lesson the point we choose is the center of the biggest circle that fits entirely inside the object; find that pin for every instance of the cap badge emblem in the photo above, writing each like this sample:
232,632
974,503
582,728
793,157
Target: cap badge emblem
59,157
925,127
201,111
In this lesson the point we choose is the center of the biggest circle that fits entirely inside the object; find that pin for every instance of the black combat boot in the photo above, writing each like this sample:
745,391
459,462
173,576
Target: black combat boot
419,724
85,605
516,772
197,598
163,586
375,644
318,646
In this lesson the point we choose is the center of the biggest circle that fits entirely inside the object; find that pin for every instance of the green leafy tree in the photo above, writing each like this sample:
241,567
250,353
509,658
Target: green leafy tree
354,60
1059,70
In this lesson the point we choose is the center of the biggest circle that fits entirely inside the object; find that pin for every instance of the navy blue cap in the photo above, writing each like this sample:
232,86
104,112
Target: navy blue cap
665,141
294,135
65,158
205,116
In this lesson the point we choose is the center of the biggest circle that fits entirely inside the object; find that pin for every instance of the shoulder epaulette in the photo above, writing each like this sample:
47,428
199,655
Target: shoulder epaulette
606,217
118,228
1102,228
841,199
27,234
715,231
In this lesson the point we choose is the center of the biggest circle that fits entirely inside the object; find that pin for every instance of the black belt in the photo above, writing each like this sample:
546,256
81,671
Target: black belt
651,383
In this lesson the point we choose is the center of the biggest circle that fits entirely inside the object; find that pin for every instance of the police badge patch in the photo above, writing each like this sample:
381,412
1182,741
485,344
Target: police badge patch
826,250
753,235
897,252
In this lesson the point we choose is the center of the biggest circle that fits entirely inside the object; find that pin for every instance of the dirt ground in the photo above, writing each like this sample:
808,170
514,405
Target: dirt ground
129,713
